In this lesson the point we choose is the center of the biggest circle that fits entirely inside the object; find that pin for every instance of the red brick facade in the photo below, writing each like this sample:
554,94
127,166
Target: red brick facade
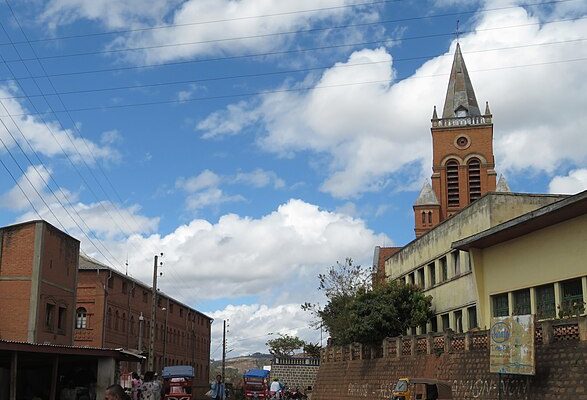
113,304
38,276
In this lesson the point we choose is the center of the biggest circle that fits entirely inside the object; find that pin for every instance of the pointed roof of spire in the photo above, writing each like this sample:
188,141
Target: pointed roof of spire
427,196
460,93
502,185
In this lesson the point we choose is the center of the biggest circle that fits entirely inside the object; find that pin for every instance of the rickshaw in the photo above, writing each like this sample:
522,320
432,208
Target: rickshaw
178,381
421,389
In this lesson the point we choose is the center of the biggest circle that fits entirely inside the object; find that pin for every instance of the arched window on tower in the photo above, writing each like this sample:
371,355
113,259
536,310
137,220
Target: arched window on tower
423,217
430,217
452,181
474,170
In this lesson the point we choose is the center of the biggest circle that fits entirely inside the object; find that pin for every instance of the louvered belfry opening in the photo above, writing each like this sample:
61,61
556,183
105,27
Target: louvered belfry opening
452,179
474,179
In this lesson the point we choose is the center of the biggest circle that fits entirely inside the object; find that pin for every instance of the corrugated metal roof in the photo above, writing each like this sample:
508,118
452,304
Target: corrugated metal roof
119,353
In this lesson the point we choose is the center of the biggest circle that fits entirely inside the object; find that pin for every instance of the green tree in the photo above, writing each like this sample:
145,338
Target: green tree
388,310
356,312
284,345
312,349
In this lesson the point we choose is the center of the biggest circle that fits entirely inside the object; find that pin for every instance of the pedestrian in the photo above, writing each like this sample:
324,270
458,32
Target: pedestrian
115,392
275,389
135,385
217,389
150,389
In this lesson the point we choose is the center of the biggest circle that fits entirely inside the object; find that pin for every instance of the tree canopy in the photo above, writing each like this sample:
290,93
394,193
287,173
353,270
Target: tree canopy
285,345
356,312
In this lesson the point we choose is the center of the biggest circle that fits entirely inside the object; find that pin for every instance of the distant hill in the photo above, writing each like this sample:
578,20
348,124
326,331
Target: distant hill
236,366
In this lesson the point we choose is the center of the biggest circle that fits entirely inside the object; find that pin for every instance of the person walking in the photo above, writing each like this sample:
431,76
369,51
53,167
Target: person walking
217,389
150,389
135,386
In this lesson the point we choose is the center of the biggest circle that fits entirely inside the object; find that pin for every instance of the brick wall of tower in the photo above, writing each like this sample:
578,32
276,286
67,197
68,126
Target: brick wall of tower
480,145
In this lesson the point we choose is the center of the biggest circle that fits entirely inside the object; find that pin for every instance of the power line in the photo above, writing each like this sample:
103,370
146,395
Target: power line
75,127
67,156
273,73
297,89
206,22
310,30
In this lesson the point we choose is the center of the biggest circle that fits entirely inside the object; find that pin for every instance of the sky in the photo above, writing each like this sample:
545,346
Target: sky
255,143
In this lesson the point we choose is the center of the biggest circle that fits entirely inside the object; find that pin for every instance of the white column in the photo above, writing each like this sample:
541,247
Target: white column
510,303
558,297
465,314
533,308
584,285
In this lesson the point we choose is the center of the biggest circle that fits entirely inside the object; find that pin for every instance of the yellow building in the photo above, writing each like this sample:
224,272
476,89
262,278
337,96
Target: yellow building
535,263
445,272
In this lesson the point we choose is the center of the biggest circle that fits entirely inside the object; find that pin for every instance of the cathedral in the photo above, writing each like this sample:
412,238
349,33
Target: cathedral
464,200
462,162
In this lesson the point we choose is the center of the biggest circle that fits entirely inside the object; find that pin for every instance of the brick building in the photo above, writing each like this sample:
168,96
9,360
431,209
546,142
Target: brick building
38,275
114,311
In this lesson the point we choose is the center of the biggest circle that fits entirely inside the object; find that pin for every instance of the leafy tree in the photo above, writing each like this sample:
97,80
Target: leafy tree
356,312
312,349
388,310
284,345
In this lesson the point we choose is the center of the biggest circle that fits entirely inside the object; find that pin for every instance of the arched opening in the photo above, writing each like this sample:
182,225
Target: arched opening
116,319
109,318
452,183
474,172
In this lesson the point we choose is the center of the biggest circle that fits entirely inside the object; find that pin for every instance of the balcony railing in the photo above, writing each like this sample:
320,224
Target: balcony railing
462,121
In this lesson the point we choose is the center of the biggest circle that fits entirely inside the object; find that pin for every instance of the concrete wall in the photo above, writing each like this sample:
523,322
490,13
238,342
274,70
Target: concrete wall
549,255
354,372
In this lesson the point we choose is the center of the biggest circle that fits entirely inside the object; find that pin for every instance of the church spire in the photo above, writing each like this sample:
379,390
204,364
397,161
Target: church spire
460,96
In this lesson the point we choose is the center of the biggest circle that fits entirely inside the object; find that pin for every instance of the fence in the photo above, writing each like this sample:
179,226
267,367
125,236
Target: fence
574,329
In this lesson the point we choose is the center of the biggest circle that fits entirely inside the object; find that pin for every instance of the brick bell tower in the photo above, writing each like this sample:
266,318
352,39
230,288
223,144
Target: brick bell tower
462,146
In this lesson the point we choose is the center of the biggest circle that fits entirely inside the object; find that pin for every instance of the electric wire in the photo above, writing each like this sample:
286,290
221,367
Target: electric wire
73,143
206,22
181,44
112,257
288,90
20,187
273,73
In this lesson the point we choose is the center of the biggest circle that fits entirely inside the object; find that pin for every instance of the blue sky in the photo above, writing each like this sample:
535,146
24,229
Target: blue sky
255,143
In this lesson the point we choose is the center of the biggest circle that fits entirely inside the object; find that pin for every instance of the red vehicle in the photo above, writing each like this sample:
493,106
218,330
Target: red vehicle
256,384
178,382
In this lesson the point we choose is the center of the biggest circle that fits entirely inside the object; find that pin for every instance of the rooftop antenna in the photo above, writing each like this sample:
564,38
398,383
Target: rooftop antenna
126,264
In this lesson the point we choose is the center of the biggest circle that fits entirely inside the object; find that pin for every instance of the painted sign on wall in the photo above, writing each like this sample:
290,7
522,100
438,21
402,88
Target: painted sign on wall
512,345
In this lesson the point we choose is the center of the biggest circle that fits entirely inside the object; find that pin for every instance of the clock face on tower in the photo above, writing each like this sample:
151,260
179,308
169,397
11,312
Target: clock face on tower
462,142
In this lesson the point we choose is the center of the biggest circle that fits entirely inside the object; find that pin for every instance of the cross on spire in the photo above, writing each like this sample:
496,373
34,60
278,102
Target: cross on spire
457,32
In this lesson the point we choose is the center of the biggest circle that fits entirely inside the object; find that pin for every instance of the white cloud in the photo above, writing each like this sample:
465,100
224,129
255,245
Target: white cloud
251,326
46,137
204,21
259,178
574,182
114,14
241,256
209,197
62,208
367,134
204,180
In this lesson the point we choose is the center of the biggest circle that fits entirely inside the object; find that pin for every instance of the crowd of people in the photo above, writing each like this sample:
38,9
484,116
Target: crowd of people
147,388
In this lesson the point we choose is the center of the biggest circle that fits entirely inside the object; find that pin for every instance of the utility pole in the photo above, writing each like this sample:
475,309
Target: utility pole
165,334
141,321
223,349
150,364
